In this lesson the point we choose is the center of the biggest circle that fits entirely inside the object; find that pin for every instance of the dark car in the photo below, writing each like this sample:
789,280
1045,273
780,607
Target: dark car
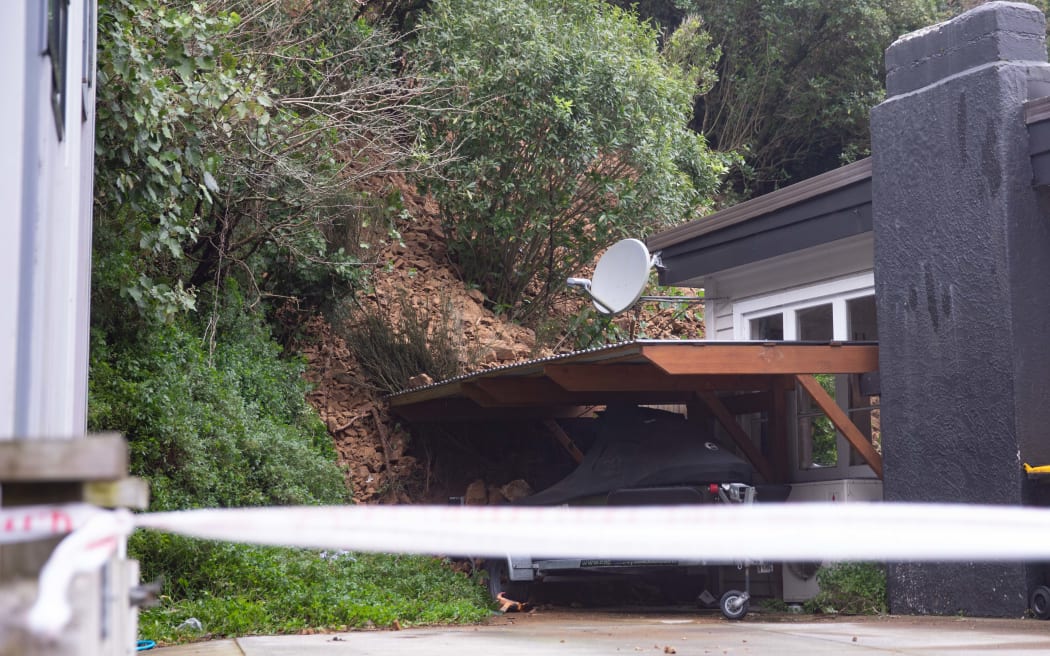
640,456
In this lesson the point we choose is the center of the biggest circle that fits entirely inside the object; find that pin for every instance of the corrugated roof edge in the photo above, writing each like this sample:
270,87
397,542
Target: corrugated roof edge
550,358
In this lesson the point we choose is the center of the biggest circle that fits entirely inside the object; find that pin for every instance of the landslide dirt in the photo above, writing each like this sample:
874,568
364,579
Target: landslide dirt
384,462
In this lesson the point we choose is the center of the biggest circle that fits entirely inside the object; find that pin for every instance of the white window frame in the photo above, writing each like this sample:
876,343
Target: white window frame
789,302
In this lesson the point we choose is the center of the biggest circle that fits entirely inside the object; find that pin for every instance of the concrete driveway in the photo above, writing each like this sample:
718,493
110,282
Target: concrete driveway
586,633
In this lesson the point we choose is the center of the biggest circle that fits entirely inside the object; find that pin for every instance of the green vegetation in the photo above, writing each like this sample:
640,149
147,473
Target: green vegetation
850,589
796,81
574,135
824,437
242,590
223,428
243,153
421,342
237,147
234,141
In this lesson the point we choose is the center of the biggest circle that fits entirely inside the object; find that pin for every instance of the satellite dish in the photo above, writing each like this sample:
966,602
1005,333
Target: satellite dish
620,277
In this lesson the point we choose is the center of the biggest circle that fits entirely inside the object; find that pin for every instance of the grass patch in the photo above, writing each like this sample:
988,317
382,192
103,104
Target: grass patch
241,590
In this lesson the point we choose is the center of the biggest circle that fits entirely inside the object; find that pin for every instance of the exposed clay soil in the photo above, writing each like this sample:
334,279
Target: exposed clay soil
385,463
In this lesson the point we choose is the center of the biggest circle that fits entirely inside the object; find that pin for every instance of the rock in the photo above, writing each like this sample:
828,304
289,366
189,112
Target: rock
477,494
420,380
516,489
495,496
504,353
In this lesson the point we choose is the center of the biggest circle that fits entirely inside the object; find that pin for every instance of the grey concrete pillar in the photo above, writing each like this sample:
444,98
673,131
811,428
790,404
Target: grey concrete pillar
962,281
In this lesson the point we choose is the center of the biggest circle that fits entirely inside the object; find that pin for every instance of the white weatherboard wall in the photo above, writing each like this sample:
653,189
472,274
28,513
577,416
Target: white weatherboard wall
821,272
45,190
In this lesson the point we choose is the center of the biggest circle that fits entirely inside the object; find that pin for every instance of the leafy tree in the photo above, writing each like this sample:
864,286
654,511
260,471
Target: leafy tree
664,14
225,153
234,138
574,135
796,81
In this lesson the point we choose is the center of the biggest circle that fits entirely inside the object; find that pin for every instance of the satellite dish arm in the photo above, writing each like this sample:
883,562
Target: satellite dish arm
585,285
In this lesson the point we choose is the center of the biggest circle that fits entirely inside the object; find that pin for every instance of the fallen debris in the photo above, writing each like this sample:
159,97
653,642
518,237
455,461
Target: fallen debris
509,605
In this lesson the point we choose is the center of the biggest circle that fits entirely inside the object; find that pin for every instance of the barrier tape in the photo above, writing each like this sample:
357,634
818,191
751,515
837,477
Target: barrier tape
29,523
716,533
83,550
882,532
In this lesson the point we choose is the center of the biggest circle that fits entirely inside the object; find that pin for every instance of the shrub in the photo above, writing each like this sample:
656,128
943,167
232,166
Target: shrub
226,428
851,589
393,350
575,136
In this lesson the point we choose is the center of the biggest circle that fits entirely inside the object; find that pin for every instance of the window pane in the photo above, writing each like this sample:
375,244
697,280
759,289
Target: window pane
771,327
862,324
816,323
817,443
57,37
817,437
864,412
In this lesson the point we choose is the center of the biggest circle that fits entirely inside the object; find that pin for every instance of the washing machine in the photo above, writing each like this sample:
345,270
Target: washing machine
800,579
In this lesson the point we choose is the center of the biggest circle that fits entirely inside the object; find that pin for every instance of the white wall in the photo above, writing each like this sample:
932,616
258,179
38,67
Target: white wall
12,122
45,189
795,272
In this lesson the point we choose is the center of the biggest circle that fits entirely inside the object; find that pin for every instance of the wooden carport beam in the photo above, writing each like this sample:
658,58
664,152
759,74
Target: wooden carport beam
646,377
771,358
465,410
513,392
842,422
520,392
741,438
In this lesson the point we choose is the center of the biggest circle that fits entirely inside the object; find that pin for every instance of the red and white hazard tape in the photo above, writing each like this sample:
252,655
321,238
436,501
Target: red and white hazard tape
84,550
24,524
717,533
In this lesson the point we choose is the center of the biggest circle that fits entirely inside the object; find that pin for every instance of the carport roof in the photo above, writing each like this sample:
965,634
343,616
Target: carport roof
638,372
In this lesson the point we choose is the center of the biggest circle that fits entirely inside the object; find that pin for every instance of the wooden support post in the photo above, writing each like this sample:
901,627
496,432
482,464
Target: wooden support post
779,416
564,439
741,438
842,422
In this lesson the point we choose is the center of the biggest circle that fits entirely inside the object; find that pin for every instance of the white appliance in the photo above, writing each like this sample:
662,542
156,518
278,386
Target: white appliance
800,579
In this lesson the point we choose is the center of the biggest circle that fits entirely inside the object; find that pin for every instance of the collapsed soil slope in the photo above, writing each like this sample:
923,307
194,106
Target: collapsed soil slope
378,453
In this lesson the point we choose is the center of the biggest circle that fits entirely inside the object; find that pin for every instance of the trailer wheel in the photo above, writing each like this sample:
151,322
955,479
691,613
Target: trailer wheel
499,581
734,605
1039,602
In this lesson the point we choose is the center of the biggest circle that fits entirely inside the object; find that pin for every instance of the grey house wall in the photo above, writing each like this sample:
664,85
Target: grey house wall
962,282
